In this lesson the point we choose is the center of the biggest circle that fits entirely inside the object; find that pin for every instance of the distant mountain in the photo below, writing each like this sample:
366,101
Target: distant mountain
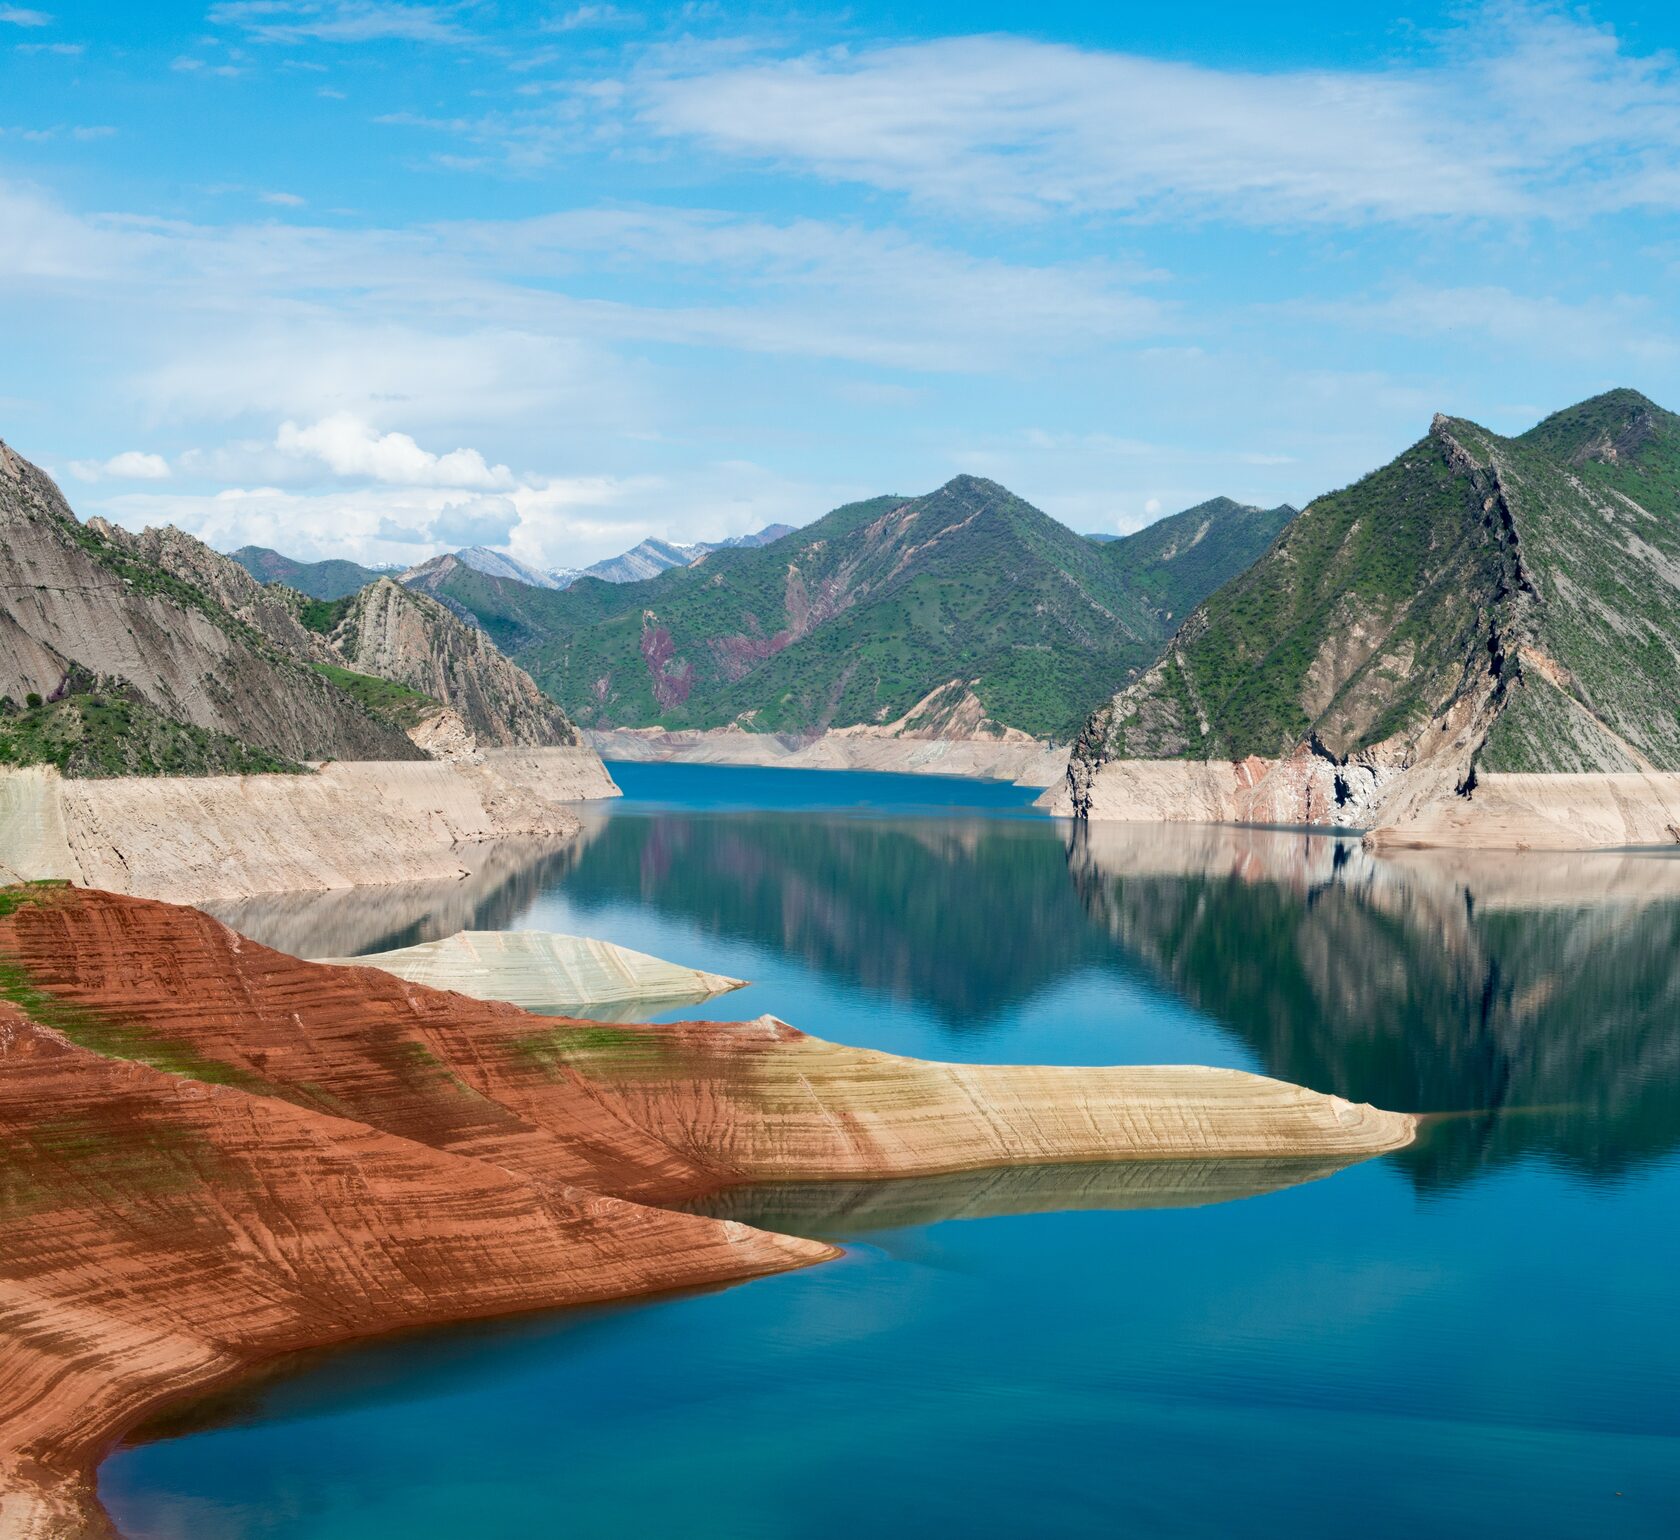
494,564
1480,603
967,608
643,561
318,579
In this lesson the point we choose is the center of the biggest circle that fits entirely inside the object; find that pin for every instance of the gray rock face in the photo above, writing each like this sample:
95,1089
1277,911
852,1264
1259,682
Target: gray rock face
395,633
95,596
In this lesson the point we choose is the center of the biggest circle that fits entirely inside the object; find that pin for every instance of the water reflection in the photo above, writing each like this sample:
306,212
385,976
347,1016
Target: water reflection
1537,995
837,1210
500,882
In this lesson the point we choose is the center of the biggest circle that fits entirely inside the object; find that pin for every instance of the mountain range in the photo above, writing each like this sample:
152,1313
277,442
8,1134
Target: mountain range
967,608
334,578
1480,605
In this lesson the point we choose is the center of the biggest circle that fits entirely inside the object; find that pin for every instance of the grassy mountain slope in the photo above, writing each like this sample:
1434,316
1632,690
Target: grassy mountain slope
318,579
1523,592
864,615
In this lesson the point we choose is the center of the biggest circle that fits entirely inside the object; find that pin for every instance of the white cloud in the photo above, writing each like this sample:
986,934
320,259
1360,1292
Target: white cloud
18,16
130,465
588,17
347,446
1524,111
558,521
340,21
284,200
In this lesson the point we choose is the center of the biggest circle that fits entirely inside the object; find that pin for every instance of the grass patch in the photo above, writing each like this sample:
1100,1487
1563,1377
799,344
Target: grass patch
103,727
594,1048
113,1037
395,703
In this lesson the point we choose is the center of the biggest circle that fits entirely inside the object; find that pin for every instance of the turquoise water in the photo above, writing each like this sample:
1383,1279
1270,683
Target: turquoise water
1480,1335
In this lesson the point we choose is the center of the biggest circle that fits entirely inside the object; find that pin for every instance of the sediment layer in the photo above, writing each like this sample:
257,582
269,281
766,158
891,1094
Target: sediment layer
212,1153
542,971
349,823
1403,808
1017,758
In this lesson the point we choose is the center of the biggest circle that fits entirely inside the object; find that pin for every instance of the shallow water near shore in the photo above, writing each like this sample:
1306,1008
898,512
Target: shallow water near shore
1481,1333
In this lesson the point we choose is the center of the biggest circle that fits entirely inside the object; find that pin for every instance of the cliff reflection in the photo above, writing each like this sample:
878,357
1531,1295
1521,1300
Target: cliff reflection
1537,995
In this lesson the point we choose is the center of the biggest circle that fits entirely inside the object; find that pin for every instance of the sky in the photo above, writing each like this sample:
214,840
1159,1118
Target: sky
380,278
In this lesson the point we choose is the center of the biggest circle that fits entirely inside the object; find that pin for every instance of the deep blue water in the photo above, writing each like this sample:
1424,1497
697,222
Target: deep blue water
1480,1335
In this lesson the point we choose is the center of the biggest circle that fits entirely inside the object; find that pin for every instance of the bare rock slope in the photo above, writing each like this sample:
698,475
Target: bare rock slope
88,601
395,633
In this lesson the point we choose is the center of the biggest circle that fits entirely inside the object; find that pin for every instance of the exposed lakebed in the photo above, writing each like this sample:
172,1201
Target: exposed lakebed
1480,1332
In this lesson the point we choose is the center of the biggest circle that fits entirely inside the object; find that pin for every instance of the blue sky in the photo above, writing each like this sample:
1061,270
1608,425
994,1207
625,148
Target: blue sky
375,278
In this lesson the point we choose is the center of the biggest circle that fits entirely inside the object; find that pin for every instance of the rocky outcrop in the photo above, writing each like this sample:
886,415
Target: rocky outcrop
394,633
544,972
1438,654
350,824
213,1153
72,594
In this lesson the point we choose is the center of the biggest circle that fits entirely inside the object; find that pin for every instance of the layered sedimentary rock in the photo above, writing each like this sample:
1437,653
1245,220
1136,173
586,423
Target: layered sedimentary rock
543,971
1475,644
213,1152
349,824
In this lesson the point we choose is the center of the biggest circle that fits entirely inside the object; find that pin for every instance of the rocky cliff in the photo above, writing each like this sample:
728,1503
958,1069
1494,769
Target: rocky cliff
83,602
1482,608
394,633
212,1153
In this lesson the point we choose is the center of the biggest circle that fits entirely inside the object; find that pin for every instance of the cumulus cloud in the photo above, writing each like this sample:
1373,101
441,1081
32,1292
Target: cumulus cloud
347,446
130,465
481,521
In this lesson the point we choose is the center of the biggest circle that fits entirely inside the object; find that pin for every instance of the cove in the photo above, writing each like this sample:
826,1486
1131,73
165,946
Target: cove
1478,1332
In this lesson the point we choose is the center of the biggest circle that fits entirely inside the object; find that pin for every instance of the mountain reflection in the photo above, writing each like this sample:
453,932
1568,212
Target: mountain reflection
1536,995
1534,999
966,917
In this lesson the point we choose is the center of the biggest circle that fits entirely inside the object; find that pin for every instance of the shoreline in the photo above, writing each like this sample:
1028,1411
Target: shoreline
1391,809
348,824
1015,757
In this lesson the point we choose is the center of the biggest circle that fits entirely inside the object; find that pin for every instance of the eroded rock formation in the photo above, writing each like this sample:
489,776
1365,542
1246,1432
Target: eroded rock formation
212,1152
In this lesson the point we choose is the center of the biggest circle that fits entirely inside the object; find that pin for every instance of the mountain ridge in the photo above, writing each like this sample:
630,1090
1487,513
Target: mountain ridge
1480,605
857,618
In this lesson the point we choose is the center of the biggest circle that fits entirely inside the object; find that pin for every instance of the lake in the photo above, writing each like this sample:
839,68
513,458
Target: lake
1480,1334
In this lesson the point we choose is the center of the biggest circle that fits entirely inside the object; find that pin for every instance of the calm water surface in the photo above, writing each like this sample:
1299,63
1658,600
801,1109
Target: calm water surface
1479,1335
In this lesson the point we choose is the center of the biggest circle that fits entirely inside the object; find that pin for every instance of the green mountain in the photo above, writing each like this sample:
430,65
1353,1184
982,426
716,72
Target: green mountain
1503,603
967,608
317,579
